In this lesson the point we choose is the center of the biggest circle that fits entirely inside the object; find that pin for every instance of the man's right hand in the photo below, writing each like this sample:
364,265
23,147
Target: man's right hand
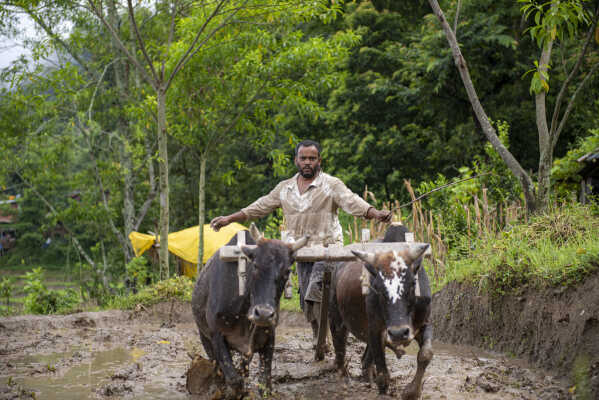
219,222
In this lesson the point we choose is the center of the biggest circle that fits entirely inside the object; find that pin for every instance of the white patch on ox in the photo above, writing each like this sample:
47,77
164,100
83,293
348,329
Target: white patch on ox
396,284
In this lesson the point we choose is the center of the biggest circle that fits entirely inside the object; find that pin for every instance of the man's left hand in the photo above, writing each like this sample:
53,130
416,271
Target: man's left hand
380,215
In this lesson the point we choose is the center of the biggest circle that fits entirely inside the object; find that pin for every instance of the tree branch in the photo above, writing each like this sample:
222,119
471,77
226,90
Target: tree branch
457,17
192,49
553,131
131,57
525,180
55,213
140,40
571,104
57,38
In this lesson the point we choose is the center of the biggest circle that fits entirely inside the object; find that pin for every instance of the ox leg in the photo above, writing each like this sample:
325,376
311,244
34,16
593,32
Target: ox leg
413,390
377,348
339,334
368,366
266,355
225,362
207,346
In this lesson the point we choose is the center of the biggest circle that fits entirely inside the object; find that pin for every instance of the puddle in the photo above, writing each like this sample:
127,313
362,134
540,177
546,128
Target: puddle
76,382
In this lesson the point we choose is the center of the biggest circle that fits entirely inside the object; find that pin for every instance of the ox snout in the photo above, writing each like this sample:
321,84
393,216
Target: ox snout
403,334
262,315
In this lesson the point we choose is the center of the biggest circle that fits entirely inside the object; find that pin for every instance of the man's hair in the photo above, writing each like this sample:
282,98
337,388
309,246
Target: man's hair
307,143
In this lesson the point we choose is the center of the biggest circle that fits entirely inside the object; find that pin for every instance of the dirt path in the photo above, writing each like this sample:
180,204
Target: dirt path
143,355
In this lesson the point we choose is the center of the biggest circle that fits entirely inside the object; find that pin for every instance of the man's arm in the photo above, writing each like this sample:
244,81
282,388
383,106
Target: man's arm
355,205
221,221
260,208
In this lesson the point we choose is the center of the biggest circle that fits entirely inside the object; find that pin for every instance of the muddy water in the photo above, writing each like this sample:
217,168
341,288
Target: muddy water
145,356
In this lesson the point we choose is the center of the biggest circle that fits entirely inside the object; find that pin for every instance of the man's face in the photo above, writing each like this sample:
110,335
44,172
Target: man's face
308,161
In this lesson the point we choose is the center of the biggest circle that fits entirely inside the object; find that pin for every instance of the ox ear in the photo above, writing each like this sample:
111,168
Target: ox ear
249,252
368,258
255,233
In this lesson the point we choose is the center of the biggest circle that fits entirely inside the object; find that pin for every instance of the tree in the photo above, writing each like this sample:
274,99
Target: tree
159,62
555,26
245,88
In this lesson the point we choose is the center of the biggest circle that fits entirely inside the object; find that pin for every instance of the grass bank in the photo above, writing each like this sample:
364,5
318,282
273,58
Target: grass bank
557,248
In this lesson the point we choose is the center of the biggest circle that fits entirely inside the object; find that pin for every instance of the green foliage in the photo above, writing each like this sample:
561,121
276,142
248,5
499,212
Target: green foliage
40,300
138,269
491,179
552,20
179,287
7,287
558,248
565,171
292,304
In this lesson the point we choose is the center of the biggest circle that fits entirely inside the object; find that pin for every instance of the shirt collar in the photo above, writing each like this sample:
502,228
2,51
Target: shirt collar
316,182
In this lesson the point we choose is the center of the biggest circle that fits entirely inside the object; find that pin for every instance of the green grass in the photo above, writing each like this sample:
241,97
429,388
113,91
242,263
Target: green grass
179,287
291,304
558,248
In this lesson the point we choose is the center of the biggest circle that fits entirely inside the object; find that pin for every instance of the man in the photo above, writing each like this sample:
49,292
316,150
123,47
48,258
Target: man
310,201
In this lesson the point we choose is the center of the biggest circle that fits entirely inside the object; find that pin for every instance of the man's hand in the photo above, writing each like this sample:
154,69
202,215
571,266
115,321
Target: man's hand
380,215
219,222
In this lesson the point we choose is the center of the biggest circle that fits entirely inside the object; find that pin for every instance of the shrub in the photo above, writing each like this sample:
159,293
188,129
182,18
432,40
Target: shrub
40,300
179,287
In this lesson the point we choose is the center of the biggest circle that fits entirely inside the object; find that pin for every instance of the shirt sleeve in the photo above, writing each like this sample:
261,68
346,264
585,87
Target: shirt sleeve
264,205
350,202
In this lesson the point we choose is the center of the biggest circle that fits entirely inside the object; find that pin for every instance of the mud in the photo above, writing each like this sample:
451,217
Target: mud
145,354
555,328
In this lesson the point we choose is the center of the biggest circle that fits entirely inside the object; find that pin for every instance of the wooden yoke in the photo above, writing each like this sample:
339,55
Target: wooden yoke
241,262
321,253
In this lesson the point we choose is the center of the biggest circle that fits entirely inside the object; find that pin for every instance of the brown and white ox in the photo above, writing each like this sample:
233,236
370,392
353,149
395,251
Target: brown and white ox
392,313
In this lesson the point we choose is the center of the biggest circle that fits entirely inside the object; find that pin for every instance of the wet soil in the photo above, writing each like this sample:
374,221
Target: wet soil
145,354
554,328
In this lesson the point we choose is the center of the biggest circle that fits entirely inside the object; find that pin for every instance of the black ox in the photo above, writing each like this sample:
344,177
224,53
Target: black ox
392,313
228,321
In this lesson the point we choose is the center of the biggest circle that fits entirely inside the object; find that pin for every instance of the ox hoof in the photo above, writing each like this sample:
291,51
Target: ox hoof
342,369
368,375
382,381
411,392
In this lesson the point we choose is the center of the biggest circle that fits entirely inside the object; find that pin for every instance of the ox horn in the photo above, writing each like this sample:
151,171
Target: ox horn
300,243
255,233
370,258
417,250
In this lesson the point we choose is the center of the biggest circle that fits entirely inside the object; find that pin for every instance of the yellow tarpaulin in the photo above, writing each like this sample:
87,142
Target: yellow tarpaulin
184,244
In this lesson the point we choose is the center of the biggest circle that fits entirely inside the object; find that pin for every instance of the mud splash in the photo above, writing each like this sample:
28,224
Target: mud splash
137,356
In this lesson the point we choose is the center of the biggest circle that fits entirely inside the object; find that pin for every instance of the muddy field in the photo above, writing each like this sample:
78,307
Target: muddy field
145,355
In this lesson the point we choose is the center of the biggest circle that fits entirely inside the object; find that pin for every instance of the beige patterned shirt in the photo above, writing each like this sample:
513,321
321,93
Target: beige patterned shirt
315,212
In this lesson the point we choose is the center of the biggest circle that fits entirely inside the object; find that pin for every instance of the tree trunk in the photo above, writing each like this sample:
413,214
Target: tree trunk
545,142
201,211
163,181
514,166
128,195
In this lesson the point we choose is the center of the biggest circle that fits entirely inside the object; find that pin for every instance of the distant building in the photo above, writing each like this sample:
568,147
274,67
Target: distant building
9,218
589,186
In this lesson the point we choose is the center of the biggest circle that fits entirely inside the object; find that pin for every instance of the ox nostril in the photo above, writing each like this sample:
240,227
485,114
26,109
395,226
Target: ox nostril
402,333
264,312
